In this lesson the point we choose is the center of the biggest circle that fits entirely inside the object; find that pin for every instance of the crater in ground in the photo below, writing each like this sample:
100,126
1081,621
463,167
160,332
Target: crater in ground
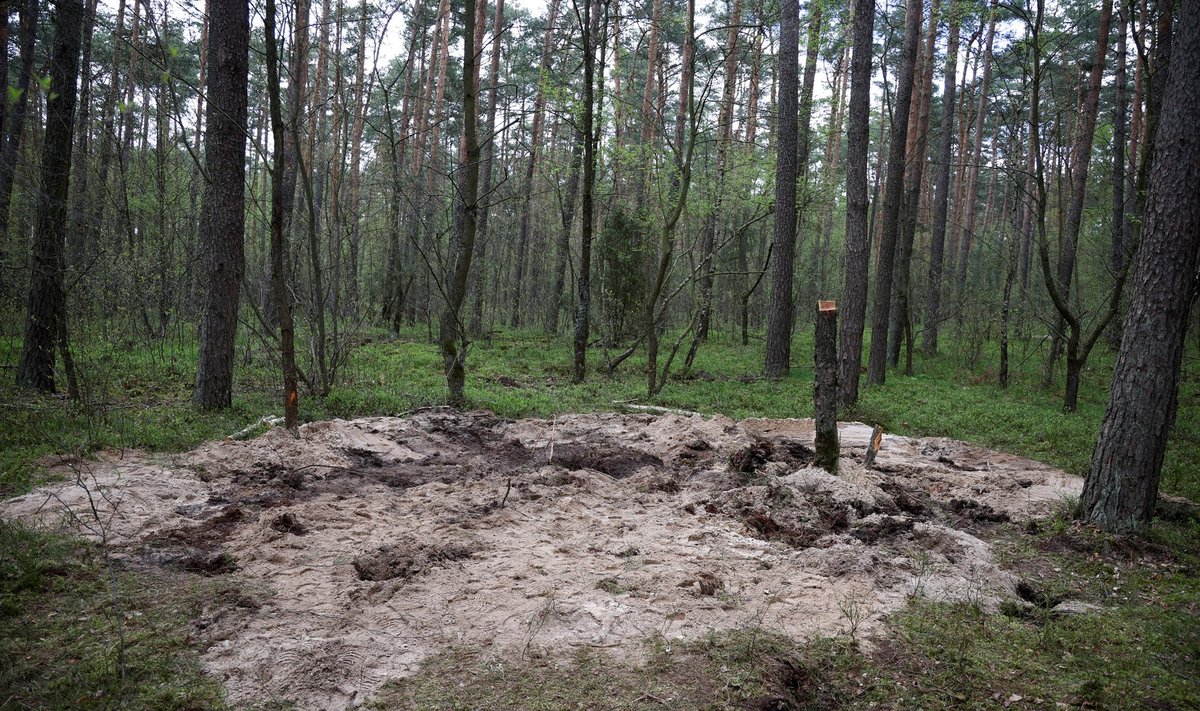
372,544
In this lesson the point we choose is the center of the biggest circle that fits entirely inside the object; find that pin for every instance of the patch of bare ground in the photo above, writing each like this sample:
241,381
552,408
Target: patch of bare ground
385,542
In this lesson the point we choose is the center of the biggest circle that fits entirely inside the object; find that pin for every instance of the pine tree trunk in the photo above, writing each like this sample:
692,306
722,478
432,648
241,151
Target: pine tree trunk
1120,229
590,34
489,152
854,298
283,307
779,319
452,335
221,229
941,203
1081,159
535,141
15,119
1121,488
893,193
913,180
45,327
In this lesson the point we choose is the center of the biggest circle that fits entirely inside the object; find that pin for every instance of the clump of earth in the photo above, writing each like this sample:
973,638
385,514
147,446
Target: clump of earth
376,543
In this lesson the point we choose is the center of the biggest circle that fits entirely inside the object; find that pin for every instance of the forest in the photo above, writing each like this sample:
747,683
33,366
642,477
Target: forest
284,246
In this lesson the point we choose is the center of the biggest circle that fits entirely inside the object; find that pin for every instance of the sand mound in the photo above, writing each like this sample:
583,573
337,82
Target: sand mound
377,542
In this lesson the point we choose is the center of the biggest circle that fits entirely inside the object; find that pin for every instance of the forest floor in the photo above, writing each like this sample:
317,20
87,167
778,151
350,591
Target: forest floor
476,560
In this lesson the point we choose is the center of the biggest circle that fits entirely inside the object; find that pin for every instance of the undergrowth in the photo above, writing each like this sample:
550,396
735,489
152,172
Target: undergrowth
73,638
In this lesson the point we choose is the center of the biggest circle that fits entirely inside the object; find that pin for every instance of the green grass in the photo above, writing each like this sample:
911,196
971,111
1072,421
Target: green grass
138,396
744,669
56,635
74,636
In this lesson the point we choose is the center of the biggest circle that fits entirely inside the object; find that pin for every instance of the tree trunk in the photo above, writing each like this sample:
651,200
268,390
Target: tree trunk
1081,159
278,244
779,320
825,387
535,140
47,316
222,230
15,118
589,30
453,335
485,190
1121,488
913,180
854,298
941,203
892,195
1120,229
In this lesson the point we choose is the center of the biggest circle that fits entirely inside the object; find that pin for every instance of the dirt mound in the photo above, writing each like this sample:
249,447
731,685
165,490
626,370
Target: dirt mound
381,541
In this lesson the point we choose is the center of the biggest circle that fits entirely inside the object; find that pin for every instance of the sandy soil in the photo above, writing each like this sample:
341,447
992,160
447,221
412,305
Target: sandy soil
370,544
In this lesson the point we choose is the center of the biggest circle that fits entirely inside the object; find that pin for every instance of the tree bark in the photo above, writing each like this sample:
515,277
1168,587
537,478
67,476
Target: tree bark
779,320
453,336
45,327
15,118
1121,487
283,307
854,298
589,21
222,230
941,199
825,386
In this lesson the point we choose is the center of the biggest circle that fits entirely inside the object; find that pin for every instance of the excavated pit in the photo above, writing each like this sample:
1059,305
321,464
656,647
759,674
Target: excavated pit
378,542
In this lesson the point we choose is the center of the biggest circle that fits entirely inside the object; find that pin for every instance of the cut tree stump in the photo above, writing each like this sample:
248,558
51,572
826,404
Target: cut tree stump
825,386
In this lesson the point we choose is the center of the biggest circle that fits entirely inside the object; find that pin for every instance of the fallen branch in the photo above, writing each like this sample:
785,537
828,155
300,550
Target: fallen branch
654,409
268,420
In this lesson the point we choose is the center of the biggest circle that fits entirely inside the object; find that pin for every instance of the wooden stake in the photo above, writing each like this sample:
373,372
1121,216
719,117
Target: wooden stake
825,385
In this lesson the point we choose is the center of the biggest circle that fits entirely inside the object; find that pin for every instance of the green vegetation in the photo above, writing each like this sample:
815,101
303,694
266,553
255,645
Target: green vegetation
74,636
1141,650
139,397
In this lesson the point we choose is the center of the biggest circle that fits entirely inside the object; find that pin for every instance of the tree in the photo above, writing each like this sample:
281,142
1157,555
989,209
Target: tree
46,324
1069,247
1121,487
892,195
854,296
535,142
14,116
222,230
942,190
779,324
453,335
589,27
283,307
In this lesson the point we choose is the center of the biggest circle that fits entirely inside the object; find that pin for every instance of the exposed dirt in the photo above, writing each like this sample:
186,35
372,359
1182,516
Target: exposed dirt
374,543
